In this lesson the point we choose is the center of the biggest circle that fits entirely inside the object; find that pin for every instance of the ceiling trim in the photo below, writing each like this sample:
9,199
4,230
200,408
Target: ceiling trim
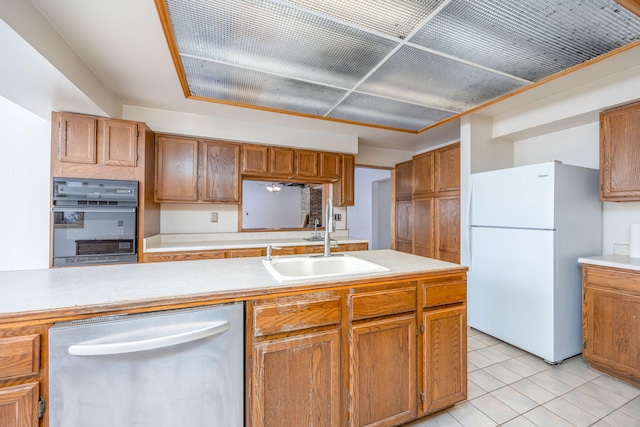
631,5
163,14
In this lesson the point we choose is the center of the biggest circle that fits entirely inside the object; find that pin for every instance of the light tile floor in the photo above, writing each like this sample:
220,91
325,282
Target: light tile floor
512,388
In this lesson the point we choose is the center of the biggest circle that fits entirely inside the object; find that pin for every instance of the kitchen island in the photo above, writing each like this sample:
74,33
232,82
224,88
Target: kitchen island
357,331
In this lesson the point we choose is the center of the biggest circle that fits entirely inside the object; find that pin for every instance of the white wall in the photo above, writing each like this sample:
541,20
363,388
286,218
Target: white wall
579,146
24,173
361,214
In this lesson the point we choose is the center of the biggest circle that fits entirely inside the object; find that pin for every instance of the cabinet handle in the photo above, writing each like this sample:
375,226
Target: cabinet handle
148,344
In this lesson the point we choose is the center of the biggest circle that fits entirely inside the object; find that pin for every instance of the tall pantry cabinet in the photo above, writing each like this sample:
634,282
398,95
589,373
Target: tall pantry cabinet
427,204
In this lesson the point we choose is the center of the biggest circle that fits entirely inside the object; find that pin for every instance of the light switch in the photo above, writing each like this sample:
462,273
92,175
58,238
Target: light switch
214,216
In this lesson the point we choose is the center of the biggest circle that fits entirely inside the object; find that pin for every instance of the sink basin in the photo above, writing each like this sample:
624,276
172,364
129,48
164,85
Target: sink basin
298,268
314,239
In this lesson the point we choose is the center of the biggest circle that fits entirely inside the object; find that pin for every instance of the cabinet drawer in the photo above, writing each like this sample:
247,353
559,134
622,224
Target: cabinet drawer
19,356
444,292
383,303
244,253
627,281
286,315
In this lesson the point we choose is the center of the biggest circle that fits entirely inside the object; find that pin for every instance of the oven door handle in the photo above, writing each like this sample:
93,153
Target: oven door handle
89,209
150,343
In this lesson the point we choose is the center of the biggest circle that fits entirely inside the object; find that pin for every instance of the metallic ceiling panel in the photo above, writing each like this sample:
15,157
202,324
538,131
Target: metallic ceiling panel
270,37
529,39
431,80
397,18
222,82
385,112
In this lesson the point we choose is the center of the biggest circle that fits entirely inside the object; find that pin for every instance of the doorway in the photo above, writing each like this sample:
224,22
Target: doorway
370,217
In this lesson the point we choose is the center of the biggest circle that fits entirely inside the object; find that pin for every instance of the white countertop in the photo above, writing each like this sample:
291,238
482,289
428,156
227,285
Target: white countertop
113,285
615,261
214,241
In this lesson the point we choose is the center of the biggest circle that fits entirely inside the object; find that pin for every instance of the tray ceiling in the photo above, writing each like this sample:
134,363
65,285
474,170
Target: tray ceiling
398,64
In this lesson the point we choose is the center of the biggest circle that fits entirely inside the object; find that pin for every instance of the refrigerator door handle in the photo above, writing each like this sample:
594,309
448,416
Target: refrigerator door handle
148,344
468,228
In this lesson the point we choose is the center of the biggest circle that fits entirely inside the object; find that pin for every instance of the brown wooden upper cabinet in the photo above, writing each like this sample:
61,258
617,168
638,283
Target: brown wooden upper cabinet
404,178
281,161
447,168
307,163
261,160
620,154
255,159
96,140
191,170
330,165
344,189
422,177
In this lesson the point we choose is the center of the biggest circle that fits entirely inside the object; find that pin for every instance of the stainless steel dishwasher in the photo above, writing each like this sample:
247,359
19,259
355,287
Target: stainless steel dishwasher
172,368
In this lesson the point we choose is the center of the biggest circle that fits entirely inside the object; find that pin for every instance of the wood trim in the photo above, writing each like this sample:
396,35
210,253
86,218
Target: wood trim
631,5
361,165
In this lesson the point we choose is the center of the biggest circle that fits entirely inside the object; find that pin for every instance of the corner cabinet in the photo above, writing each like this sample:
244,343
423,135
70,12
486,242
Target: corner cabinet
620,154
196,171
610,326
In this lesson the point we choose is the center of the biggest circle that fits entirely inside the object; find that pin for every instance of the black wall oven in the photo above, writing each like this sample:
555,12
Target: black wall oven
94,221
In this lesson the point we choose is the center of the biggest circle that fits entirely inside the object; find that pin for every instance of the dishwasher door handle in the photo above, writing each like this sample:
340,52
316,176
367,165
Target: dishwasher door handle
148,344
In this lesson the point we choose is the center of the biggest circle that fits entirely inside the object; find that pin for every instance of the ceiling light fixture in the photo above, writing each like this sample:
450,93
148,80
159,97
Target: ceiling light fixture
273,188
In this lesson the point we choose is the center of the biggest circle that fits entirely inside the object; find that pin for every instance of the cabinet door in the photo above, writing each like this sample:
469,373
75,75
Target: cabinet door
404,180
119,143
444,380
620,154
344,190
423,174
382,389
19,405
77,138
307,163
176,169
329,165
281,161
255,159
220,172
423,239
447,168
296,381
404,226
448,228
611,333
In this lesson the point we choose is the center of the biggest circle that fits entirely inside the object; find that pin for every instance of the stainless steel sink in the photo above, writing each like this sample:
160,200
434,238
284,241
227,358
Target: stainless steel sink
299,268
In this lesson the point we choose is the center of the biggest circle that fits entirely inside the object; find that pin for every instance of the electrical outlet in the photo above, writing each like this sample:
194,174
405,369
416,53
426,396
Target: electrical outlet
214,216
337,217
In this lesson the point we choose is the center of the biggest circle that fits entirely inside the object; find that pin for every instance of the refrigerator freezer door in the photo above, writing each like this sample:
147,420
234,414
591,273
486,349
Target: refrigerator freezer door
521,197
511,287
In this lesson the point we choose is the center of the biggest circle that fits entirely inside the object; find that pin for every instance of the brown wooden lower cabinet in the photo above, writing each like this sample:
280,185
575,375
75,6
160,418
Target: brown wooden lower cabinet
296,381
445,358
610,326
383,371
353,357
18,405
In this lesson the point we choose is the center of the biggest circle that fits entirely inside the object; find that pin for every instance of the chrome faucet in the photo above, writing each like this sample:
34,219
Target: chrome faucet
315,228
269,247
328,228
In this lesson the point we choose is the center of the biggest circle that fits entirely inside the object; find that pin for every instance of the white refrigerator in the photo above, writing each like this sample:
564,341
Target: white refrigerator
527,228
